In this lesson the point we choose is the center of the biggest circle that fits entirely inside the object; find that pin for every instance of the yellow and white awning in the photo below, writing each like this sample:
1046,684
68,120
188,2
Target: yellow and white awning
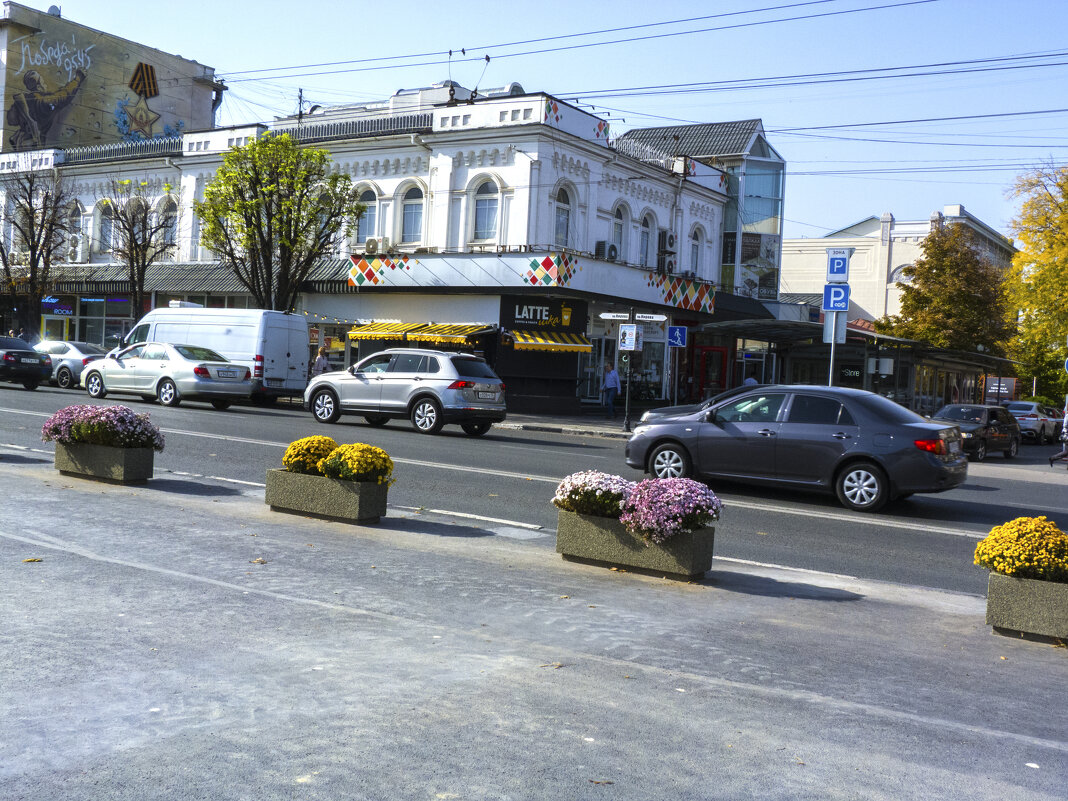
449,333
383,330
559,341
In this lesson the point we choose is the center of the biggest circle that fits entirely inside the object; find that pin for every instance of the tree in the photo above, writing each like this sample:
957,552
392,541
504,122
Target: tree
37,206
1037,284
272,211
141,235
951,297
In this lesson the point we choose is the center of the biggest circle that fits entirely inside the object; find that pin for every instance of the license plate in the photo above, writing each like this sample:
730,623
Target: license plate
487,395
227,373
29,361
275,382
954,447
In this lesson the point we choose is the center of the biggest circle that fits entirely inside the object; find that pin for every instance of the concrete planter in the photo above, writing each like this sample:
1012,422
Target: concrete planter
1027,605
604,540
318,496
105,463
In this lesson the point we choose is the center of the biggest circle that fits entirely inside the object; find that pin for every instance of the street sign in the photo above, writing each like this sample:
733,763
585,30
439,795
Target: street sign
838,265
650,318
836,298
834,328
614,316
628,337
676,336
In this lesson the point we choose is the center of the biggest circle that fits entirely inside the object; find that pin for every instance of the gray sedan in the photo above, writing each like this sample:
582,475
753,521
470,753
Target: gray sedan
170,374
69,359
864,448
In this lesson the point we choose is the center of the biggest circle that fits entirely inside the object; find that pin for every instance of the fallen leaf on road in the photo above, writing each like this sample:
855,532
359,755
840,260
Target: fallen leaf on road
33,559
565,596
260,561
553,665
604,781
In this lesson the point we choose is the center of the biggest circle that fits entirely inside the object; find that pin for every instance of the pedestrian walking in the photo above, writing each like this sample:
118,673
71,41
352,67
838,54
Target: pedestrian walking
1063,455
321,365
610,387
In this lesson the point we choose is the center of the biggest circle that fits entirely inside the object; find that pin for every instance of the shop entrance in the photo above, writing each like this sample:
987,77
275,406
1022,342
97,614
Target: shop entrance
55,327
591,367
711,371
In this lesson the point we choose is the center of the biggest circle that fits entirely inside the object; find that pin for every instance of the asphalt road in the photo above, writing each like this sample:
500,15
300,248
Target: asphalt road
502,483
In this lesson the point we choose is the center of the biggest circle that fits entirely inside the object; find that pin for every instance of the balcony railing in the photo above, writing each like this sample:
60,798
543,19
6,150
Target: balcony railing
355,129
163,146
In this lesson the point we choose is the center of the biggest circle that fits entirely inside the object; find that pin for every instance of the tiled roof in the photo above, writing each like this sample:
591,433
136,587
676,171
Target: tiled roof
180,277
705,139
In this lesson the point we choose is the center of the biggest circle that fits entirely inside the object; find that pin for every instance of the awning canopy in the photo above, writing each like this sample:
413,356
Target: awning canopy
449,333
383,330
560,341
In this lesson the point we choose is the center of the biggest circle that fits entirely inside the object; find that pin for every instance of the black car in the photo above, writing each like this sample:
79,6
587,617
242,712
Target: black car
21,364
861,446
983,428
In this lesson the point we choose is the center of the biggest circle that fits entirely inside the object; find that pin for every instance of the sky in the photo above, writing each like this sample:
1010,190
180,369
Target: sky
901,106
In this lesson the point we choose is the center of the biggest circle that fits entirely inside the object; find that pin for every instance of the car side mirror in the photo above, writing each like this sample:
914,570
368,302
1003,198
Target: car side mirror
352,370
714,418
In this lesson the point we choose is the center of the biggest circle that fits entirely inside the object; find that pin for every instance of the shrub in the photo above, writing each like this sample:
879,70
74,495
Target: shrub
115,426
358,462
1027,547
304,455
592,493
659,508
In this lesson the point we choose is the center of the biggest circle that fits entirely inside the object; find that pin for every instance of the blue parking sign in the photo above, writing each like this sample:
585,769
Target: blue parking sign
838,265
676,336
836,297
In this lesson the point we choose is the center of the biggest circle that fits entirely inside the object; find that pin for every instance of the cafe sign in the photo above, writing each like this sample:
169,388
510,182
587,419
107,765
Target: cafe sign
539,313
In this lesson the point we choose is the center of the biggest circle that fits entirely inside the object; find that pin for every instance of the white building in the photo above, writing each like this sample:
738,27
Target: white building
883,247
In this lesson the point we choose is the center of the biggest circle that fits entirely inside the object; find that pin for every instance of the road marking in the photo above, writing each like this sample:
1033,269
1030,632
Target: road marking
750,562
468,516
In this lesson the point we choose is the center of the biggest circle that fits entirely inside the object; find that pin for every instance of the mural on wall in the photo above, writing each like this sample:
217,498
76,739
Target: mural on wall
67,85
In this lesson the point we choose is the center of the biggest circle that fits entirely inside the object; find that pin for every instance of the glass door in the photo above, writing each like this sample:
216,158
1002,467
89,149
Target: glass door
54,327
591,367
711,372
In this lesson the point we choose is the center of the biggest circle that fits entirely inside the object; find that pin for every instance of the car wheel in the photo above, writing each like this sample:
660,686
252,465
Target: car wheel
324,406
669,461
980,451
221,405
64,378
167,393
30,385
426,416
862,487
1014,448
376,420
94,385
475,429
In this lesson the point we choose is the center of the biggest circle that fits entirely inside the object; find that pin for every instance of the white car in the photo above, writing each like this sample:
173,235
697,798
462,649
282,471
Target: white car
1035,421
169,374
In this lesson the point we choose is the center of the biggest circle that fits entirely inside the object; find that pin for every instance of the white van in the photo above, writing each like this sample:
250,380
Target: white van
272,344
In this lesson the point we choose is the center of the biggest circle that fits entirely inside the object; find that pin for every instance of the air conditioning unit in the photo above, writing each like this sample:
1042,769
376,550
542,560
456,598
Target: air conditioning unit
667,263
667,241
384,244
600,249
371,245
613,253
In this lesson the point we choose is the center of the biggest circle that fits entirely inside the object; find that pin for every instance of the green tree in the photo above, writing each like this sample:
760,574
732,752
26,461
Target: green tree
951,297
1037,284
271,213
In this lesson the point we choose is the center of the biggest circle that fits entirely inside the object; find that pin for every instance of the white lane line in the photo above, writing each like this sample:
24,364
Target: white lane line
751,563
468,516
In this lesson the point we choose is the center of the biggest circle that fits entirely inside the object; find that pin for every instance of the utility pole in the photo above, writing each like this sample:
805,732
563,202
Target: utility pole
626,403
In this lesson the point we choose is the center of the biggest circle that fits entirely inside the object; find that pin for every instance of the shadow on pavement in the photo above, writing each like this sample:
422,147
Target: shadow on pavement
420,525
773,588
179,486
17,458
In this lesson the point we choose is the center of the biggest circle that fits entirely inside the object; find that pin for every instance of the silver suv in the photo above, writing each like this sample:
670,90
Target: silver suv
429,387
1034,419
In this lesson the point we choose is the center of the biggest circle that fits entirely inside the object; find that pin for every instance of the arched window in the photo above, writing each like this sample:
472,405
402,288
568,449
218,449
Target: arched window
365,228
645,238
618,225
695,252
412,215
74,230
562,219
107,227
168,215
486,211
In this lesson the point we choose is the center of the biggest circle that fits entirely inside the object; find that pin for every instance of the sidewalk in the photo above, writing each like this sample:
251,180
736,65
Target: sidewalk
181,641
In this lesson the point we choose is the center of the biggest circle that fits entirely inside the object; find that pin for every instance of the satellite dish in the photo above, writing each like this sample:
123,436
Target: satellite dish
54,11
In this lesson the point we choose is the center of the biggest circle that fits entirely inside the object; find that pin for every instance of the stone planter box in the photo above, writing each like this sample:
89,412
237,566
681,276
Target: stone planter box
1027,605
603,540
318,496
105,463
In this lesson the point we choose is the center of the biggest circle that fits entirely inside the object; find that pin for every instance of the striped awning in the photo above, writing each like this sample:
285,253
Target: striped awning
383,330
560,341
449,333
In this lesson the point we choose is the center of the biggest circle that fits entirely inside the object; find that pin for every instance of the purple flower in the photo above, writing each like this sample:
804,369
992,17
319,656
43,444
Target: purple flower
116,426
659,508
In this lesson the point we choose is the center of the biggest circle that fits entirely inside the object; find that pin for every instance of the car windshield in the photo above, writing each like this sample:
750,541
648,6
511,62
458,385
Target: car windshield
887,410
963,414
198,354
88,347
473,368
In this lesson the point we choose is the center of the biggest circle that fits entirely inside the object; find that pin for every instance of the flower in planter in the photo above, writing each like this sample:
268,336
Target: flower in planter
114,426
1027,547
358,462
592,492
304,455
659,508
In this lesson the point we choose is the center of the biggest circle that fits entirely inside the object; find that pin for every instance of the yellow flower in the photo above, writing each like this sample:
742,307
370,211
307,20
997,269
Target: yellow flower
304,455
358,462
1027,547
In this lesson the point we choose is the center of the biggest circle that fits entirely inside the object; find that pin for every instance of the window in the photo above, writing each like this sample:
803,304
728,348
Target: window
408,363
155,352
169,220
645,241
618,224
365,228
107,227
752,409
813,409
486,211
562,219
376,364
74,227
412,215
695,252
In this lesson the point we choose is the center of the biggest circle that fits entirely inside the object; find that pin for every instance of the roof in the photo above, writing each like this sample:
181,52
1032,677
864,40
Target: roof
198,277
704,139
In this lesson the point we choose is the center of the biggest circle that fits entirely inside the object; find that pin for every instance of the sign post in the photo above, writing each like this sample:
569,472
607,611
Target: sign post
628,341
676,340
835,300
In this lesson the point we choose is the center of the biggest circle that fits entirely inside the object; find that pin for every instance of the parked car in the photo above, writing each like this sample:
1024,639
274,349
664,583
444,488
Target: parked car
1036,424
862,447
170,374
69,359
21,364
431,388
662,411
983,428
1058,417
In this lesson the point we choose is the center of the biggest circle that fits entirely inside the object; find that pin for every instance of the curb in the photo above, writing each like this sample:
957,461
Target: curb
560,429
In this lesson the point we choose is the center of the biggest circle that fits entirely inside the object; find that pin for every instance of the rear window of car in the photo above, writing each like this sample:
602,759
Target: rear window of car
473,368
88,347
198,354
1019,407
13,343
887,410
